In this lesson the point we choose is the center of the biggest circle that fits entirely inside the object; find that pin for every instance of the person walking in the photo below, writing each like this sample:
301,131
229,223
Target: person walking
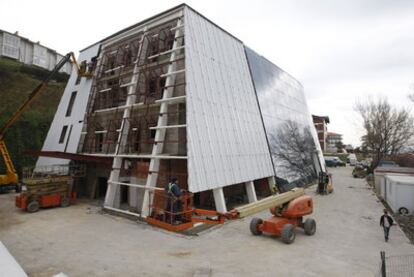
386,222
173,192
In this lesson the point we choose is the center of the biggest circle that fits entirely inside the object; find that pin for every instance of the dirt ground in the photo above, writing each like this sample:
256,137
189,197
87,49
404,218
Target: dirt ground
83,241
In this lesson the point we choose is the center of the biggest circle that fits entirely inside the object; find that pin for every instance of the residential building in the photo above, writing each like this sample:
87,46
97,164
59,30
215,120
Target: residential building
321,126
332,140
176,95
28,52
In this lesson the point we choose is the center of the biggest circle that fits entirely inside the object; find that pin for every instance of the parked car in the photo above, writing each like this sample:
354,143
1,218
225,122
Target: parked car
333,161
385,163
351,159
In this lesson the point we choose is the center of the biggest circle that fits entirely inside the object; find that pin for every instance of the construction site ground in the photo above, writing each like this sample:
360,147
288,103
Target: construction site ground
83,241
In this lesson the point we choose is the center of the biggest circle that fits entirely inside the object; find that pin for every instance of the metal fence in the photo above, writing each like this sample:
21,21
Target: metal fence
401,265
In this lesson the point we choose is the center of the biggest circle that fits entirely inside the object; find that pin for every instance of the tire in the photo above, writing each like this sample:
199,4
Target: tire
288,233
33,206
64,201
254,226
309,226
403,211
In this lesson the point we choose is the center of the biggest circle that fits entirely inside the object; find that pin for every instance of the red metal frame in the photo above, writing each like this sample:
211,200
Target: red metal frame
187,214
51,200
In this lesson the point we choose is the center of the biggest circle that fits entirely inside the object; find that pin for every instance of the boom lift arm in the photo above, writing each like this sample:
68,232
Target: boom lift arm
11,177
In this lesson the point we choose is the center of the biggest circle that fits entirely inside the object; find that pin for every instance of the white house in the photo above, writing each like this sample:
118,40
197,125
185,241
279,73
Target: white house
28,52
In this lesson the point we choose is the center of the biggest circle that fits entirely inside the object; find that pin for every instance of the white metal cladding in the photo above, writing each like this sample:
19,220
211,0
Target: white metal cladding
281,99
75,120
226,142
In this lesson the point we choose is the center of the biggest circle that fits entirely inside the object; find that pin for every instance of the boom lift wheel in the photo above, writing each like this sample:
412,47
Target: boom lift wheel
254,226
309,226
288,233
33,206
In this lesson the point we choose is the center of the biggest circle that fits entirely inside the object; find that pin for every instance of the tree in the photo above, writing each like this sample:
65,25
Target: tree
340,146
292,149
387,129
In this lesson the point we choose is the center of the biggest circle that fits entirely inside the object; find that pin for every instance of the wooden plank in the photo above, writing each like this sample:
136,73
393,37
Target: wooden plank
268,202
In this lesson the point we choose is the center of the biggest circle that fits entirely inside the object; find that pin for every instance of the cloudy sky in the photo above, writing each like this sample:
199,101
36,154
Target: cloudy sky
341,51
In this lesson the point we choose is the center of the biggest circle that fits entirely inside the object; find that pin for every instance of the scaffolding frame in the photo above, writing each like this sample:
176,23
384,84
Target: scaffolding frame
128,115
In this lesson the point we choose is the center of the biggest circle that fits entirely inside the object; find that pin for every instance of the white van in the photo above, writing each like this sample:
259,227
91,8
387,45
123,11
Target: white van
352,159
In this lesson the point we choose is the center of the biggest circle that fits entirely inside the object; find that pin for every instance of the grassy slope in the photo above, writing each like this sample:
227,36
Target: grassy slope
29,132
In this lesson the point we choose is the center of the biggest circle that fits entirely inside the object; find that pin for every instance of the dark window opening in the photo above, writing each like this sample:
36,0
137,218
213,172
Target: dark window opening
63,134
162,85
137,146
152,86
124,194
99,142
111,62
128,57
102,187
78,79
92,65
71,102
124,94
152,134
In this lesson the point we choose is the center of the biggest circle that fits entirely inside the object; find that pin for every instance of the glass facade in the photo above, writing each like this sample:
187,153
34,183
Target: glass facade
290,132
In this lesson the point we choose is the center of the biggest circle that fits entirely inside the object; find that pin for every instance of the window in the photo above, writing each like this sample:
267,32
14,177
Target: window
99,142
63,134
71,102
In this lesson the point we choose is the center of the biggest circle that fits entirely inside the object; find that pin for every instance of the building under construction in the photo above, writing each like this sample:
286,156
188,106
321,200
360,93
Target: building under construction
176,95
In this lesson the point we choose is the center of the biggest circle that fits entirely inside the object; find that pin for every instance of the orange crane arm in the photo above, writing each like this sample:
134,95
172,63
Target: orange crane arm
11,175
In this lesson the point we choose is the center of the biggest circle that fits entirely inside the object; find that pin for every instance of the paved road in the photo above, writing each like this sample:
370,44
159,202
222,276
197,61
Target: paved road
81,241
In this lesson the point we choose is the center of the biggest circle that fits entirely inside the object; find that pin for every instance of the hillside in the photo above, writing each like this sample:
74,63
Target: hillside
16,82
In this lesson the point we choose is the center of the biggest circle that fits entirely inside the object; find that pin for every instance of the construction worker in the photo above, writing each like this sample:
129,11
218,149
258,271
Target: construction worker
386,222
173,192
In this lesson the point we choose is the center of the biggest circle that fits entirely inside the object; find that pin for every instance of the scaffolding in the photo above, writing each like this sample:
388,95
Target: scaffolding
136,111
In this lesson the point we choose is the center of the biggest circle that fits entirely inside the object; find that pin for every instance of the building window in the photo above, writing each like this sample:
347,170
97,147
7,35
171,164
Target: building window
71,102
63,134
99,138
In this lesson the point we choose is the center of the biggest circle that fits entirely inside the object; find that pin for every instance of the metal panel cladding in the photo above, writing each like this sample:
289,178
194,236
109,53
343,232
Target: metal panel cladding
291,134
226,141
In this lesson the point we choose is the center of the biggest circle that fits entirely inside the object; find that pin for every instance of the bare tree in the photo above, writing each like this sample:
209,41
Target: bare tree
387,129
293,149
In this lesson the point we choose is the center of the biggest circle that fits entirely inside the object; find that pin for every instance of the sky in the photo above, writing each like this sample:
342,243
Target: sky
342,52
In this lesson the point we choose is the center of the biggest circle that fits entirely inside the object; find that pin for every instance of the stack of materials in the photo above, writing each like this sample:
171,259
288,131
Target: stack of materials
48,185
267,203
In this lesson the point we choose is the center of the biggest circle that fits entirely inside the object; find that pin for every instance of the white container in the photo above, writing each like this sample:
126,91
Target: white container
398,192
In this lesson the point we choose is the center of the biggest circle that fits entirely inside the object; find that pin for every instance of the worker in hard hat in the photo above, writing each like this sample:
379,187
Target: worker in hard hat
173,193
